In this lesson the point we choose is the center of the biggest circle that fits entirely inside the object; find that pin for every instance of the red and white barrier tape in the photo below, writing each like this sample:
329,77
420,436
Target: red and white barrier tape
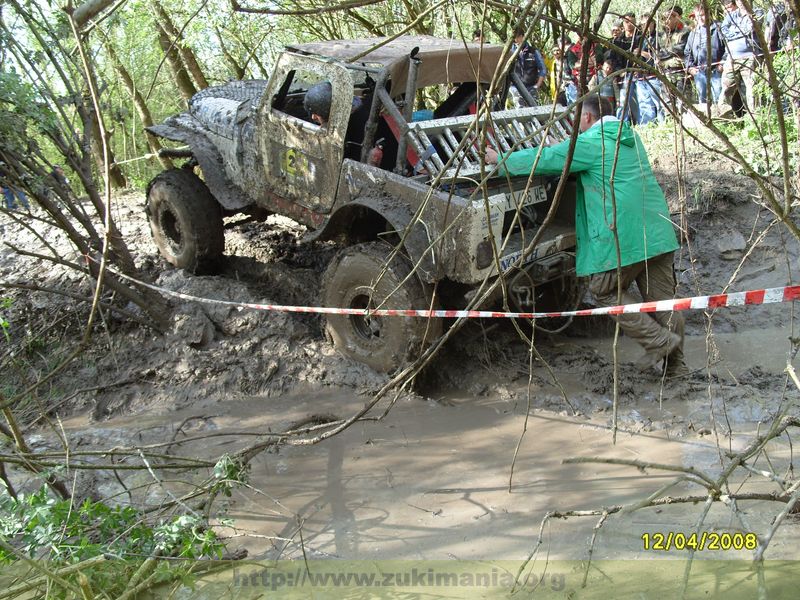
753,297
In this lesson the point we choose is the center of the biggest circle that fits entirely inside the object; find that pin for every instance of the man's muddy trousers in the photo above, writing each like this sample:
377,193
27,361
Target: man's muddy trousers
655,279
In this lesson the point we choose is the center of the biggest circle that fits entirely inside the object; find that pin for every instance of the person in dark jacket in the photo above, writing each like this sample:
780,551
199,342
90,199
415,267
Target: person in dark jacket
58,174
672,45
629,41
696,57
530,64
778,26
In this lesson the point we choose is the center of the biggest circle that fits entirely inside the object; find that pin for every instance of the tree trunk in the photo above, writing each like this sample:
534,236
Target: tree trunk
150,302
237,69
252,55
796,124
179,74
74,142
116,176
373,28
141,106
186,53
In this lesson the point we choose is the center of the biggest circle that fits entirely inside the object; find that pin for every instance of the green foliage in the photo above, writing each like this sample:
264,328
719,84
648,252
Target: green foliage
20,107
657,135
5,304
41,526
227,473
787,76
758,140
763,133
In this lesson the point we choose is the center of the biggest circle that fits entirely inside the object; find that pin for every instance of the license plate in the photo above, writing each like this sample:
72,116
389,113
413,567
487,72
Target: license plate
535,195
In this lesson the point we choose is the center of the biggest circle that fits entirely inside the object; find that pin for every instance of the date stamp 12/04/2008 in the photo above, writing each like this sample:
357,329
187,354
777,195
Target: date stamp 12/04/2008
707,540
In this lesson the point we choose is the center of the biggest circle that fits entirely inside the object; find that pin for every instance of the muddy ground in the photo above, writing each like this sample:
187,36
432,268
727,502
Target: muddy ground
431,480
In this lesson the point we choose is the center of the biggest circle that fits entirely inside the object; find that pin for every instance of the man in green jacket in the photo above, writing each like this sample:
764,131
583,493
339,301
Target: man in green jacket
629,220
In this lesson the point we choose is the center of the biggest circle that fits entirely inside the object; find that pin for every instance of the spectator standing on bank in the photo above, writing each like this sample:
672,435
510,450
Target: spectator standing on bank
621,241
606,84
778,26
649,91
575,56
672,48
561,78
741,55
696,57
60,178
649,31
529,65
58,174
10,193
629,42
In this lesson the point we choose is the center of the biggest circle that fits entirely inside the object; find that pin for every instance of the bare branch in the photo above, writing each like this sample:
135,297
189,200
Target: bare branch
344,6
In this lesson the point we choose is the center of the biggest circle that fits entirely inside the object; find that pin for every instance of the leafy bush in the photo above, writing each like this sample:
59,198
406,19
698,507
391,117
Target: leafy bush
5,304
43,527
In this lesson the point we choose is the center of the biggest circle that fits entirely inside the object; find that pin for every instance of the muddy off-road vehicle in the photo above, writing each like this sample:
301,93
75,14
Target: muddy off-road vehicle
393,180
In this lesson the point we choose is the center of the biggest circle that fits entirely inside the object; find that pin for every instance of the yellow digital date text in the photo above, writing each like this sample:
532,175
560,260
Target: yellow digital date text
706,540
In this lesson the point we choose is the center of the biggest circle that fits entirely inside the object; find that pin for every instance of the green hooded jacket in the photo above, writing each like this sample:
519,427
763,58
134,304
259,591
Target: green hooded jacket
643,224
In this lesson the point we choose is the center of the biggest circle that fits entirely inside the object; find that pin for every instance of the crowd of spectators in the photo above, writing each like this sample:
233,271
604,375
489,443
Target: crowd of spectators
710,59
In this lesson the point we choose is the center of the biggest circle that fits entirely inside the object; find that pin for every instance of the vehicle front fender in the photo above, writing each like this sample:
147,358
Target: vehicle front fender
364,219
182,129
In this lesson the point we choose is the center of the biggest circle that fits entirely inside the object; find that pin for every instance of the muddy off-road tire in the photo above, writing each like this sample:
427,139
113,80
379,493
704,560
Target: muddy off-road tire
186,221
352,281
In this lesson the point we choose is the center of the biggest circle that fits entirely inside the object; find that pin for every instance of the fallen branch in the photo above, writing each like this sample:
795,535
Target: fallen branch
316,10
48,290
643,465
56,576
790,504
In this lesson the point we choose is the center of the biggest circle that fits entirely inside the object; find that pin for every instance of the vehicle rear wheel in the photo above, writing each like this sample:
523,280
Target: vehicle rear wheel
185,220
363,276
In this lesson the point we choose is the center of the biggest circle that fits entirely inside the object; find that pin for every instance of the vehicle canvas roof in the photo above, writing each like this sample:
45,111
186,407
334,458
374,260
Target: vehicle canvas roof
443,60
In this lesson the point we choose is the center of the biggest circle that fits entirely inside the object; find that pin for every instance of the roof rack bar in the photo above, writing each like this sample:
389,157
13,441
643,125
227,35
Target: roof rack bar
408,108
472,146
372,121
457,139
448,134
492,141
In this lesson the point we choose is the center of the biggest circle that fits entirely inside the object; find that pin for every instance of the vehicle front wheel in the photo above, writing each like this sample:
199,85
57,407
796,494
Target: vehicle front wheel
364,276
186,221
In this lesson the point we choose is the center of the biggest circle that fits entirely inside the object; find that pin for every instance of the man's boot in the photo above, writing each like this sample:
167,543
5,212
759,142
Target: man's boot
652,357
675,367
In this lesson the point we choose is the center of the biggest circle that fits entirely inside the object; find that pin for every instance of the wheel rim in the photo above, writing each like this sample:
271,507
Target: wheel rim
368,328
171,227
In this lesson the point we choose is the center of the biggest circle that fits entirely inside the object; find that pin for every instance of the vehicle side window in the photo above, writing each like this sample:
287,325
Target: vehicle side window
290,96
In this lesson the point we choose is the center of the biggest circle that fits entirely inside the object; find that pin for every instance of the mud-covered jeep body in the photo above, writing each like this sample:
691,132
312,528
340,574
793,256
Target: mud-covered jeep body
377,177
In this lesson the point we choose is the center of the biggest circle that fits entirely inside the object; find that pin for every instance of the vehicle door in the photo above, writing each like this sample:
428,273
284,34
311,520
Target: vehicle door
302,159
